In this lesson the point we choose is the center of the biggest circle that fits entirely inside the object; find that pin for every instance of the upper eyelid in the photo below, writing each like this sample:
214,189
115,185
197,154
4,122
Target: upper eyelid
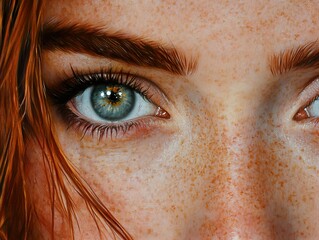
68,88
311,89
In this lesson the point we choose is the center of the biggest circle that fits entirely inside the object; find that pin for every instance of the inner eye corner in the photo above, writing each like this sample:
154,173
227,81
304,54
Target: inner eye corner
300,115
162,113
303,113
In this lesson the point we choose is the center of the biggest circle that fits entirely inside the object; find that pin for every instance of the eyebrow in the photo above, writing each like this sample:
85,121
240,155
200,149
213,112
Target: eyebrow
302,57
117,46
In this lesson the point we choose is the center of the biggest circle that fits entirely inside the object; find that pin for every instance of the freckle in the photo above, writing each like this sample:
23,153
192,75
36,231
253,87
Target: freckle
128,170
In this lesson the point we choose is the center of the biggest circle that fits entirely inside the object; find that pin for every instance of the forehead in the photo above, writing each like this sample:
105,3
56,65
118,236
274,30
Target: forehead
198,18
236,35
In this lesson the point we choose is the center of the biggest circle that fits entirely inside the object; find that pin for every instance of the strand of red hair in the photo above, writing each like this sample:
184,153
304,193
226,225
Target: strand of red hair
24,117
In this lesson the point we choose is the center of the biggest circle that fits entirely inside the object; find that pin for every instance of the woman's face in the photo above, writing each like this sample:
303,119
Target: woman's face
224,149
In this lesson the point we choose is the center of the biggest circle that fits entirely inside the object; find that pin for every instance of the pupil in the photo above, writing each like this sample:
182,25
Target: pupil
113,95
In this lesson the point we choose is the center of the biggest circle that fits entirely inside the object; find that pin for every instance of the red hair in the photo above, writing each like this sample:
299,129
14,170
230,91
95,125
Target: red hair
25,116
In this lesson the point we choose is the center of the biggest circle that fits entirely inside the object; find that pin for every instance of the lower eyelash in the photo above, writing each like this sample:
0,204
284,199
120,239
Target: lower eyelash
106,131
110,131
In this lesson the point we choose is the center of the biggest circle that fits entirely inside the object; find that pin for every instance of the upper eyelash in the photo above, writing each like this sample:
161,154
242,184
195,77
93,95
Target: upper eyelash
81,81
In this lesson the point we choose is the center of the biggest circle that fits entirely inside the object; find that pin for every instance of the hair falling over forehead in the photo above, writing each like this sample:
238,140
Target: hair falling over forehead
25,117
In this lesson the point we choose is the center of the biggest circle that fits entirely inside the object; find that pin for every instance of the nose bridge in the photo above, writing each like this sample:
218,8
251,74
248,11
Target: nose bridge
245,185
238,209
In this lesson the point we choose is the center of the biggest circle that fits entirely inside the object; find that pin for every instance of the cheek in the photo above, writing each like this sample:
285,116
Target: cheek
214,178
38,178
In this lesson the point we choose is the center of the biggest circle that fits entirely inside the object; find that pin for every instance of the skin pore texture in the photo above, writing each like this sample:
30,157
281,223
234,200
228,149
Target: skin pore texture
230,162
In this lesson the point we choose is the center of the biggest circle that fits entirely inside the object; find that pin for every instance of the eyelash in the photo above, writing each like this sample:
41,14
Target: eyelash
80,81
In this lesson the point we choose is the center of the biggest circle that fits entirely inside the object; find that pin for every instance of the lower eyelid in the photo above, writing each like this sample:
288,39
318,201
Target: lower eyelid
124,131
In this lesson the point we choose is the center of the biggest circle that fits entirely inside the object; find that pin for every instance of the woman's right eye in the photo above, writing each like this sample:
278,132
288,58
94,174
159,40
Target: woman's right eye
112,103
109,102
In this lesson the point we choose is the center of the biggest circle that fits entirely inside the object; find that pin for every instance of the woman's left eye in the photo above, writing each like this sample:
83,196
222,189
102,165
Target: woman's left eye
311,111
309,96
112,102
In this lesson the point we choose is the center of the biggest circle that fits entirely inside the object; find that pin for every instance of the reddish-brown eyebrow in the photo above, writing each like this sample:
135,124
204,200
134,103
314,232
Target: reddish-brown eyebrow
301,57
116,46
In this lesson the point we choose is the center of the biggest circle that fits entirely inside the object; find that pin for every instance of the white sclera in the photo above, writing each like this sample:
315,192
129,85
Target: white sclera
142,107
313,109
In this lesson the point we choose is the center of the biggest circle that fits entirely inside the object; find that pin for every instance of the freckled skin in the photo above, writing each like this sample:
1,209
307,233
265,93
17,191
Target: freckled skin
231,163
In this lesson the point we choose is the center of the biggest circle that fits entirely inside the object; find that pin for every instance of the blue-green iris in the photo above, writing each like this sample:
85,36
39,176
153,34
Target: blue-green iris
112,101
